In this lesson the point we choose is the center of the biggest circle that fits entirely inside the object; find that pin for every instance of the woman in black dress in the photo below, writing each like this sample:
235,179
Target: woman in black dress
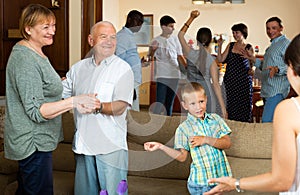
238,78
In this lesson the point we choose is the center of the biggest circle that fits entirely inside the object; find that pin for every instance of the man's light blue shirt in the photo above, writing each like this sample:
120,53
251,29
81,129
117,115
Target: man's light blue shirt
127,50
274,56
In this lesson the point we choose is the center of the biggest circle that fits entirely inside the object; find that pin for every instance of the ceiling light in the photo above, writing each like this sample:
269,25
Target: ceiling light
217,1
198,2
237,1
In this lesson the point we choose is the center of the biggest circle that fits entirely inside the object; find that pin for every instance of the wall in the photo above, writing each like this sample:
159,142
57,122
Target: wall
110,13
75,31
220,17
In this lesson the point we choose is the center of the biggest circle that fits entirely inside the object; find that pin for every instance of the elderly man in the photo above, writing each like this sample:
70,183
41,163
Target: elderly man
100,146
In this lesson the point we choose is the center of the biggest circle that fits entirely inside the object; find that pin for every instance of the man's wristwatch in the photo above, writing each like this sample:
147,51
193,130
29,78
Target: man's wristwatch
98,111
237,185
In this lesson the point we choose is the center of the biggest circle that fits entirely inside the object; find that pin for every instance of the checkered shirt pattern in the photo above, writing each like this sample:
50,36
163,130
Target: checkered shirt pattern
208,162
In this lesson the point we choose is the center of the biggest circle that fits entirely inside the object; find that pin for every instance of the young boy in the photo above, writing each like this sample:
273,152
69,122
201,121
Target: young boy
204,136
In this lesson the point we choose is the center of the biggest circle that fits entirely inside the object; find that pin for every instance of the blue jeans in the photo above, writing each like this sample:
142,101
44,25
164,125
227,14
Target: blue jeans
195,189
165,95
270,104
100,172
35,174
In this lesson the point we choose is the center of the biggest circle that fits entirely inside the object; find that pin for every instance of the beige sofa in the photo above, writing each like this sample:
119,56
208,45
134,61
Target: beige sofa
154,172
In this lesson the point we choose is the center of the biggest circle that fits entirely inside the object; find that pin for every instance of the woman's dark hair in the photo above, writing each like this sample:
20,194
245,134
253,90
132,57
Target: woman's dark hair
292,54
204,36
242,28
275,19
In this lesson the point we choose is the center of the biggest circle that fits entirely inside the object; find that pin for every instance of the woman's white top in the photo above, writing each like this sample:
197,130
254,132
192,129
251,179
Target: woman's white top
295,189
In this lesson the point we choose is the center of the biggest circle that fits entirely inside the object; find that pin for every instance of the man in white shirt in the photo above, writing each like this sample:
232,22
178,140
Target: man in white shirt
99,144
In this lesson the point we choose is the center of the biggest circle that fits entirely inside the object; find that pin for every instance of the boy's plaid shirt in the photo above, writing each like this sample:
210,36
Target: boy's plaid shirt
208,161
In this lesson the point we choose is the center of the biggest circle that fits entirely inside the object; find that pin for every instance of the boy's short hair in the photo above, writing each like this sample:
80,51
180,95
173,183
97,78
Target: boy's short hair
166,20
190,88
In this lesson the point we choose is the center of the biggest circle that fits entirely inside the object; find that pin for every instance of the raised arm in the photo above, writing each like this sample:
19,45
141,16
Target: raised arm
284,156
214,72
86,103
222,56
185,47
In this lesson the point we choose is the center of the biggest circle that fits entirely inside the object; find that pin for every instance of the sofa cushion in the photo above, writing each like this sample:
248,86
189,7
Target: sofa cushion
155,164
150,186
250,140
243,167
63,184
7,166
144,126
63,158
2,117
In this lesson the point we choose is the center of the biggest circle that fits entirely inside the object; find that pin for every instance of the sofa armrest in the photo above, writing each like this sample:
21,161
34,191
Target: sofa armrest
7,166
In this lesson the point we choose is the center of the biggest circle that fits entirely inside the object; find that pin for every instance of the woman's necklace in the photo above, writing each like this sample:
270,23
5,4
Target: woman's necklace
38,52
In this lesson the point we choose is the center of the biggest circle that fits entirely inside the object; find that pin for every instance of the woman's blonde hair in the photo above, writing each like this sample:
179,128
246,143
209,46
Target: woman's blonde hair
32,15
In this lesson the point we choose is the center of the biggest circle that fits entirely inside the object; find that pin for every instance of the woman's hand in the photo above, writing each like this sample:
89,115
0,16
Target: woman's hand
195,14
220,41
86,103
225,184
249,54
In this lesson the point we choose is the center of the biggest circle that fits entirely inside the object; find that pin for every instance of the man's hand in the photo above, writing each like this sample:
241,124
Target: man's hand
146,61
86,103
273,70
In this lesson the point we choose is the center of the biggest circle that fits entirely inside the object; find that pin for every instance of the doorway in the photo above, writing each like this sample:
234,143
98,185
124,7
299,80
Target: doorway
58,52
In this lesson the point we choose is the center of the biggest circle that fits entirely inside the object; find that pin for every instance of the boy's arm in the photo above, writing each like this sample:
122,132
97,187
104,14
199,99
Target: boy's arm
176,154
152,48
220,143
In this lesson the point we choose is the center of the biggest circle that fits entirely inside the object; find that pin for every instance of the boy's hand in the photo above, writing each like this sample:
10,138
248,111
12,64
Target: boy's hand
197,141
152,146
154,45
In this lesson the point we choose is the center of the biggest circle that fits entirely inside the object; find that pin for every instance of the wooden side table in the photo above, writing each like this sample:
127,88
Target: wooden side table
256,110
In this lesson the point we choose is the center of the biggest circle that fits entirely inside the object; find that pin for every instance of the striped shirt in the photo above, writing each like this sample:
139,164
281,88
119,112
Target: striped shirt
274,56
207,161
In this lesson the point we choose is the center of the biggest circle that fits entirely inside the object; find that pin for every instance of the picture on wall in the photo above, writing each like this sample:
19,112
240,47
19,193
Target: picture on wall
145,35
